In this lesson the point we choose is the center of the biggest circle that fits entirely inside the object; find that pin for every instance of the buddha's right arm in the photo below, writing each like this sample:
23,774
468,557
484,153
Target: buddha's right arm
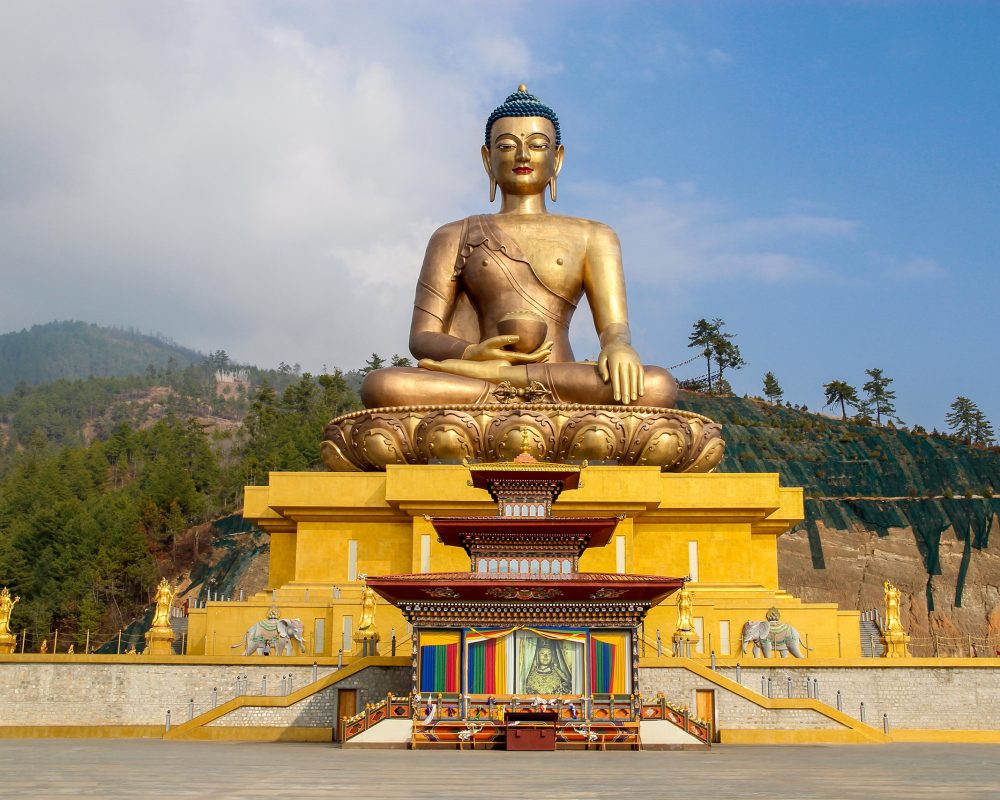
436,297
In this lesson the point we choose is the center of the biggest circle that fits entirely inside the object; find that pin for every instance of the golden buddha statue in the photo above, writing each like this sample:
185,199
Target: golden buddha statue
519,269
160,636
490,329
7,603
894,634
369,601
164,600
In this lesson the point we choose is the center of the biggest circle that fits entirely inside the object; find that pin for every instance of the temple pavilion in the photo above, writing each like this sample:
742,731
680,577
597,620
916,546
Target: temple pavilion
525,621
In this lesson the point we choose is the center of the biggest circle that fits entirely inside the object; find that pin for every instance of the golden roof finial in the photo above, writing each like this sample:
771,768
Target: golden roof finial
521,87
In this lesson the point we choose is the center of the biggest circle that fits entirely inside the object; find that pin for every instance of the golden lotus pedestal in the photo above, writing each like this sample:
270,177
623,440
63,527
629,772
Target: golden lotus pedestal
674,441
8,641
160,641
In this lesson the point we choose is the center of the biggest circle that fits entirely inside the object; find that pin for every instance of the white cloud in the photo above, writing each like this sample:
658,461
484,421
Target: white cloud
236,175
673,235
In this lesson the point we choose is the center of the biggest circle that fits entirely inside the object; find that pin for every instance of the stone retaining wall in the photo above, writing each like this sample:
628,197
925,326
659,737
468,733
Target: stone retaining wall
925,695
68,693
320,710
931,696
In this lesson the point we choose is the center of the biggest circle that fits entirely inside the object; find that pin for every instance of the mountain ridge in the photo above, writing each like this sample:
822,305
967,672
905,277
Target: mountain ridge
72,349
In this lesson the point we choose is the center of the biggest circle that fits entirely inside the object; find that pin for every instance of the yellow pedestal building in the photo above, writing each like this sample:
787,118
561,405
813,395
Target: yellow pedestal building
329,528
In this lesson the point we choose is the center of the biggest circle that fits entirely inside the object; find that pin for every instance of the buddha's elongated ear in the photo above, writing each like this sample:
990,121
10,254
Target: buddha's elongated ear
489,171
560,152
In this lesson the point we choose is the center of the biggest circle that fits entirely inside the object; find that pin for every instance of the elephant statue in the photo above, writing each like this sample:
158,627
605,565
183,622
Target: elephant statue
273,633
771,634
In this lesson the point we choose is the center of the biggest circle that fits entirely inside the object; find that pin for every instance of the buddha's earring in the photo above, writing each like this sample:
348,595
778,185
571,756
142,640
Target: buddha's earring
552,188
493,188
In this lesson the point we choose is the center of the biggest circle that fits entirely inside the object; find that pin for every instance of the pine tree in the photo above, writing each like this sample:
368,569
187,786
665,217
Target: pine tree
400,361
962,419
983,433
968,422
772,389
704,336
373,363
717,346
727,354
843,393
879,396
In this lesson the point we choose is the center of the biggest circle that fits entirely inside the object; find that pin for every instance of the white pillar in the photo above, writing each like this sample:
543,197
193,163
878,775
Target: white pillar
348,631
425,552
693,561
352,560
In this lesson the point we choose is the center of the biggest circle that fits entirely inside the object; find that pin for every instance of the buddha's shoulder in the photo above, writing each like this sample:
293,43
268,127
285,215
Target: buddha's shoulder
589,231
451,229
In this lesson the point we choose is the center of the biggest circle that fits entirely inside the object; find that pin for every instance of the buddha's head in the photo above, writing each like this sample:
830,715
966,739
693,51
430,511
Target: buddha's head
544,658
523,152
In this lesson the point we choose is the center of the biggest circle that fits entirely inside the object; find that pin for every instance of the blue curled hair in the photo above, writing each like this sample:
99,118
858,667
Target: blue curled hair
523,104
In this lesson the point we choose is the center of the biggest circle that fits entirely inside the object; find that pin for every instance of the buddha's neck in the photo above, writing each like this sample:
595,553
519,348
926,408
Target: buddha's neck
521,204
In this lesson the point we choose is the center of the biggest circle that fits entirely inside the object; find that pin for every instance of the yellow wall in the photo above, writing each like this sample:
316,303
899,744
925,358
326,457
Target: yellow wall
734,519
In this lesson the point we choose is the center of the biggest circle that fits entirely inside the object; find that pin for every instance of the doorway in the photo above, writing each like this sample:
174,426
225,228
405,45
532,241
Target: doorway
704,708
347,706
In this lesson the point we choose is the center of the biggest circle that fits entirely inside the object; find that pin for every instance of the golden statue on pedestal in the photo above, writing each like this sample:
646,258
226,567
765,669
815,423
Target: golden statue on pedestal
160,636
366,636
685,636
895,636
490,329
7,603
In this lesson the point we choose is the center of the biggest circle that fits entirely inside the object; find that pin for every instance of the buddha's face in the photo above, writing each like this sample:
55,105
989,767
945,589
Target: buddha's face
523,156
544,657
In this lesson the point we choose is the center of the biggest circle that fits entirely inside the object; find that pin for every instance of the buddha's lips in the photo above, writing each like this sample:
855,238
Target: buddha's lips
523,170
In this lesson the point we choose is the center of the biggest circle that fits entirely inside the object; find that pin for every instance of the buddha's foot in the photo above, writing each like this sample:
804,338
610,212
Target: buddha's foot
675,441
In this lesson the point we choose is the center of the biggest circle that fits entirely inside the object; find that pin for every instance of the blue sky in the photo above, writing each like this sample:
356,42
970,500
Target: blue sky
261,177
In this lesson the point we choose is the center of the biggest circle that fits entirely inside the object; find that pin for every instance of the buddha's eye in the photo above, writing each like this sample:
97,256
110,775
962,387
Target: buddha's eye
539,146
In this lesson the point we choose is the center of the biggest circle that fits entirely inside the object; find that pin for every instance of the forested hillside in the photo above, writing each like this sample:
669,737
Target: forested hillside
106,484
68,350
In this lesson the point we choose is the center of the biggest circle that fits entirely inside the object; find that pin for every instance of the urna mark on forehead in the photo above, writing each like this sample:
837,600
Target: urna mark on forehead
523,104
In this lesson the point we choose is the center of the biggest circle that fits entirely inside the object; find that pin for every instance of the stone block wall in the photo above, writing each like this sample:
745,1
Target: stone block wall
114,693
679,686
320,710
935,695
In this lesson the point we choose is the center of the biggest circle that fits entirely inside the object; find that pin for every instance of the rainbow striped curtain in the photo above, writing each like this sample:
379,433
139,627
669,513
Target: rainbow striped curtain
609,660
490,661
439,662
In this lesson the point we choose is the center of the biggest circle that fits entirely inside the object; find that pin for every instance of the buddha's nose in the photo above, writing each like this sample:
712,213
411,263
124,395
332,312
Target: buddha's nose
522,152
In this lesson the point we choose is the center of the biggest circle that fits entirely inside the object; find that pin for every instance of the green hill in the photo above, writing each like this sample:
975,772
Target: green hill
71,350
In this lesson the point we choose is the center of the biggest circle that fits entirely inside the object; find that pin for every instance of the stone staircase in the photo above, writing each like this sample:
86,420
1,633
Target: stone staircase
871,635
179,626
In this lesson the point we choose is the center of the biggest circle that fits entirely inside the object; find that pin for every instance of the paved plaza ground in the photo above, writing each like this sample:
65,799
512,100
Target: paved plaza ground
126,768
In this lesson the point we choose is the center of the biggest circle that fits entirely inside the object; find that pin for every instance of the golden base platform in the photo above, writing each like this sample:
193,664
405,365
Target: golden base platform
160,641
